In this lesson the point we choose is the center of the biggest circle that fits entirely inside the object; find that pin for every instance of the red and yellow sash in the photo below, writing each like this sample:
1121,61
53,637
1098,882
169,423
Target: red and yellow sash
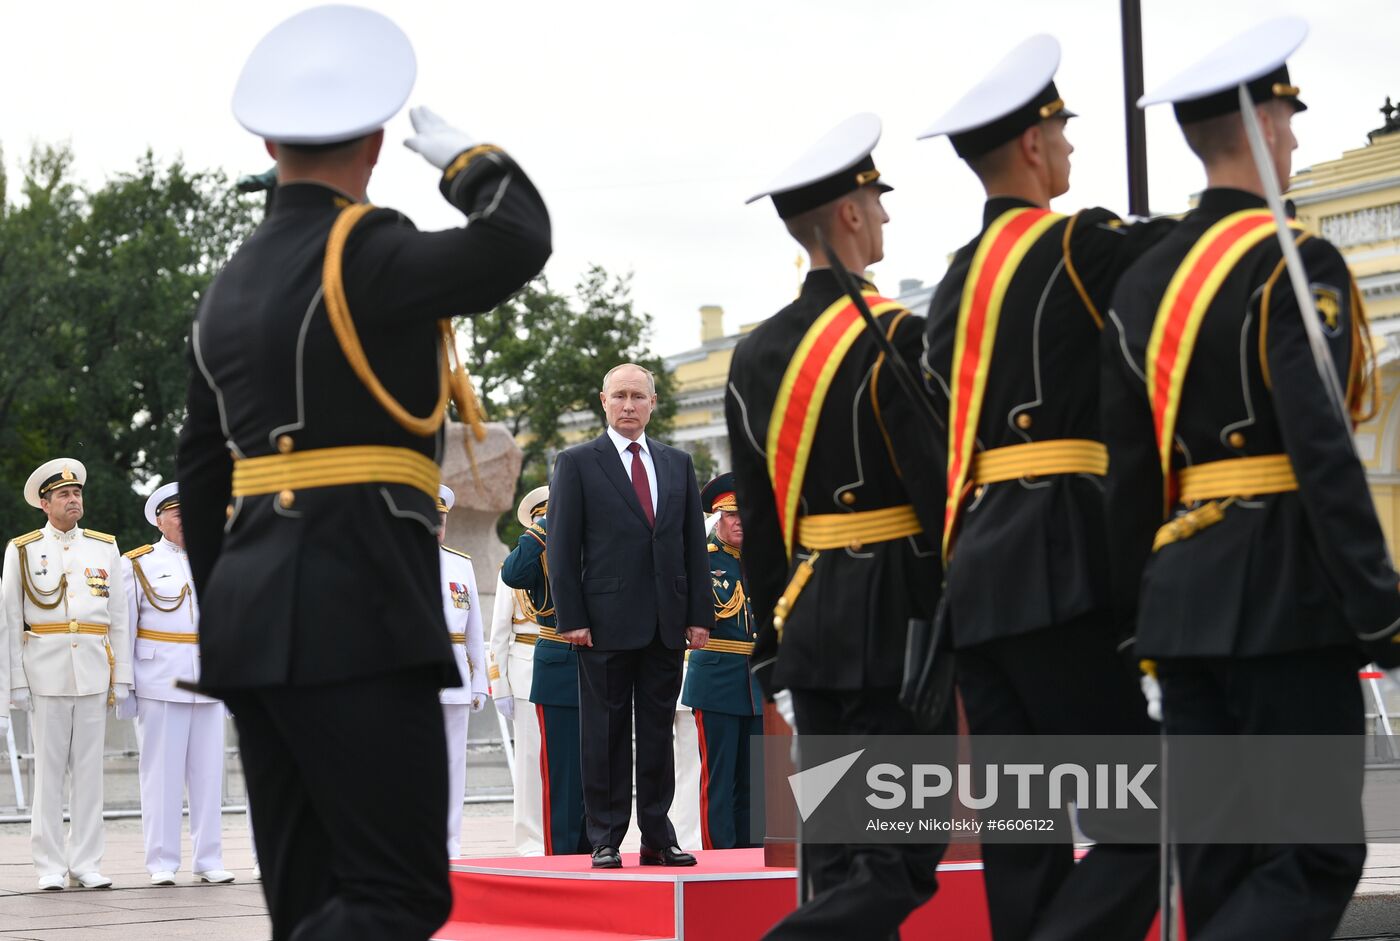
806,382
1003,245
1189,295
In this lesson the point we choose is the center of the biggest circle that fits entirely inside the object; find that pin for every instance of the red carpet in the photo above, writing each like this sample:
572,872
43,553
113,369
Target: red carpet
729,896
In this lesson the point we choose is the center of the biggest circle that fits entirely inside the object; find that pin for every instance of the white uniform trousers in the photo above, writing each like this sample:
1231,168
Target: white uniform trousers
454,717
528,812
685,806
68,733
182,745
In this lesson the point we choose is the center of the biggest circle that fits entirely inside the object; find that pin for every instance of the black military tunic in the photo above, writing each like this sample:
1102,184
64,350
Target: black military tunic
842,648
1027,577
342,582
847,629
1253,619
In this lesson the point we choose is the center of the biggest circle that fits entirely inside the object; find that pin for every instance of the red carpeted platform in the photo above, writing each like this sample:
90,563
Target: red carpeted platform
729,896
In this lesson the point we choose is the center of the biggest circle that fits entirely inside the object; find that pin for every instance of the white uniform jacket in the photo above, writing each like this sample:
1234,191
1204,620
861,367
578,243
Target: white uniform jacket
161,607
512,664
463,612
64,612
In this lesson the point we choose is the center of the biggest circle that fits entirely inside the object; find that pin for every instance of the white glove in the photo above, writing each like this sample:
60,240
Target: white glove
438,141
121,692
506,707
783,700
478,702
19,699
1152,692
125,707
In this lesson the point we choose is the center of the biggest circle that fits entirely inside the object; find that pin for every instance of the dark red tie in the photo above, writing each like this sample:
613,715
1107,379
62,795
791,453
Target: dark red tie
641,484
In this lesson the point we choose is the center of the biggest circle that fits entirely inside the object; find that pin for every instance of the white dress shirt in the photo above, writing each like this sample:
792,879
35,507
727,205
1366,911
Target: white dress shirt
622,444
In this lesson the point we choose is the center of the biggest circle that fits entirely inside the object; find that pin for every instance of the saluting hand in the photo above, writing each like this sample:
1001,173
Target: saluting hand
697,637
438,141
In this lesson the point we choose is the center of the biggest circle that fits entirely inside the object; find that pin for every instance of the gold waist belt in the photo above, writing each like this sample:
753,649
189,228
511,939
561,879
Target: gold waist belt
1040,459
855,530
1218,484
549,633
169,637
70,627
333,467
86,627
1236,477
457,637
741,647
841,531
527,639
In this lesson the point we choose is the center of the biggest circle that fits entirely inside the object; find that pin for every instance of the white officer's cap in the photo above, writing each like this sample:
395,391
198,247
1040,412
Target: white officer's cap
326,75
838,164
1018,93
162,498
446,498
529,503
49,476
1257,58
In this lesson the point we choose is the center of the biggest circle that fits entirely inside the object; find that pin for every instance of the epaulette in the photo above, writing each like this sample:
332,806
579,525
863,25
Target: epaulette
27,538
139,551
457,552
714,548
100,537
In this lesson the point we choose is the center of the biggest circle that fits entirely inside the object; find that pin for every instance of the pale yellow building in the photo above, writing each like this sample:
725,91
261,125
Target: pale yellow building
1354,202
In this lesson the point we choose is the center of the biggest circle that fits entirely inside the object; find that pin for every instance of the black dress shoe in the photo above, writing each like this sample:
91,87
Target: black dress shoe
670,856
606,857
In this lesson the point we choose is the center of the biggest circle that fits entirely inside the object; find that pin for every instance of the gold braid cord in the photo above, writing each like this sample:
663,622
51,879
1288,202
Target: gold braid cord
455,381
34,593
164,603
727,609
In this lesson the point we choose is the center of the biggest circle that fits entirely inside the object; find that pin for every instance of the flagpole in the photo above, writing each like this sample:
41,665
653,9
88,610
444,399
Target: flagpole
1135,119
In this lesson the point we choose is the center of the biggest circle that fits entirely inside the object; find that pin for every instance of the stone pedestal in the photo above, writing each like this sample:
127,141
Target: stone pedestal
471,526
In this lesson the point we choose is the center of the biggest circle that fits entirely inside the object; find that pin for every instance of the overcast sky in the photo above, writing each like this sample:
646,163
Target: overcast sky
646,124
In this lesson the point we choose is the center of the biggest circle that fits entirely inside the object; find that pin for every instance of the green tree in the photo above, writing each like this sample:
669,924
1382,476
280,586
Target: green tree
540,358
97,288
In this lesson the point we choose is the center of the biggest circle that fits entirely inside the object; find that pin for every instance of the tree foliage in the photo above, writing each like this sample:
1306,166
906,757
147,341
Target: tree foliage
540,358
97,288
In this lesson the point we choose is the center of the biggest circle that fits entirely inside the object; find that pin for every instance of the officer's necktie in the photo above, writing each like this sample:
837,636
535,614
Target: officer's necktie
641,484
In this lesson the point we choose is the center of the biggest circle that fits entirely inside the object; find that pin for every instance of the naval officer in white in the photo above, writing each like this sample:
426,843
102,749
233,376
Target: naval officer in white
64,617
180,734
462,609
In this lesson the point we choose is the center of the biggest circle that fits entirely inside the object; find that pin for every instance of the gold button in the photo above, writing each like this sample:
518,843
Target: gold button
284,444
857,546
848,498
66,548
1023,421
228,512
75,643
72,627
286,498
977,494
1236,439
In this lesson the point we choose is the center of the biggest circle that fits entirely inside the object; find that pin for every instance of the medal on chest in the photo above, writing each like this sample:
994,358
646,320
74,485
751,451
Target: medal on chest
461,598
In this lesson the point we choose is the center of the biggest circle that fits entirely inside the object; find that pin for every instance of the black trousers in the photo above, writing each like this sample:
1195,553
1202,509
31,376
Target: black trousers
610,684
348,783
858,890
1066,679
1283,892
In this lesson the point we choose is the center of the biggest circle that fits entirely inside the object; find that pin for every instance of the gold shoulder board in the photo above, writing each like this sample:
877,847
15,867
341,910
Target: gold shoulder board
100,537
457,552
139,551
714,548
27,538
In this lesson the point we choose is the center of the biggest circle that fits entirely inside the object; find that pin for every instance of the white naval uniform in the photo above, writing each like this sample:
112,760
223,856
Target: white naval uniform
512,672
69,674
685,806
180,734
462,610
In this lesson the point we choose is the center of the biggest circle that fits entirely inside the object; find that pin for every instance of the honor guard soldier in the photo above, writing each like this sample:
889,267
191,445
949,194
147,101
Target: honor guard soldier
553,687
309,470
1234,484
719,687
1013,343
462,611
180,733
513,638
66,621
838,490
